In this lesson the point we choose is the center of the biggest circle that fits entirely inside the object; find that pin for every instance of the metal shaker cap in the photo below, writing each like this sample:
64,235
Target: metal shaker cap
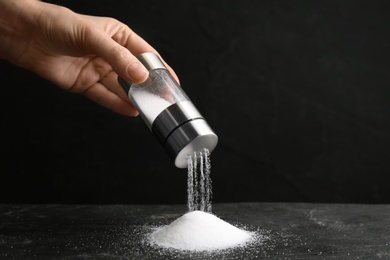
151,61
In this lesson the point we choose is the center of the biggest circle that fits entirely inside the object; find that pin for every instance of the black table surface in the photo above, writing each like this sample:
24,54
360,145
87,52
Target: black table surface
285,231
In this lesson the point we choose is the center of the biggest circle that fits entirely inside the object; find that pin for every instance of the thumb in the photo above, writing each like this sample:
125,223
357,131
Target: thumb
123,62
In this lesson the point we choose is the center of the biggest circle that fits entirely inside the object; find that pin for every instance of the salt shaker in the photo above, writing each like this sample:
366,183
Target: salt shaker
169,113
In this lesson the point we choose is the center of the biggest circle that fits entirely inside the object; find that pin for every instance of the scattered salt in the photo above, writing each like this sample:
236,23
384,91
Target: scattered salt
199,231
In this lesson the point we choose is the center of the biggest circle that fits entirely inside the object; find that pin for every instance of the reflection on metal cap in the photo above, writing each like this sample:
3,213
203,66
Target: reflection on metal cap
151,61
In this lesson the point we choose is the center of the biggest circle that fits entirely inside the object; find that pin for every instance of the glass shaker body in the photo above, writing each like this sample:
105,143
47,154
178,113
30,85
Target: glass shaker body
154,95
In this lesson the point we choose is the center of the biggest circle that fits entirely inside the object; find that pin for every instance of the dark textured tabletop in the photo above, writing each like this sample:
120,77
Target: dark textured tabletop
285,231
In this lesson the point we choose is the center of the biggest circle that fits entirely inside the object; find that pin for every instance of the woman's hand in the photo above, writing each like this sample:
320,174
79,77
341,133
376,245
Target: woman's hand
80,53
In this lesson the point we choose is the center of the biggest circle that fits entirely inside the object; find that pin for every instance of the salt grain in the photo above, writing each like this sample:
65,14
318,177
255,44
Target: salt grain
200,231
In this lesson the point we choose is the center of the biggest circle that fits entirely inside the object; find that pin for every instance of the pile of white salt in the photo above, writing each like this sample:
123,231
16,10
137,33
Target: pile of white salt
200,231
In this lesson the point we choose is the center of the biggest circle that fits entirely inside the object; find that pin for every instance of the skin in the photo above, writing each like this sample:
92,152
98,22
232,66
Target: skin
79,53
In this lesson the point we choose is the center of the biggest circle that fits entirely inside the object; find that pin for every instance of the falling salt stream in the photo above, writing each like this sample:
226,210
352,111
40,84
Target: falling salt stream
199,229
199,188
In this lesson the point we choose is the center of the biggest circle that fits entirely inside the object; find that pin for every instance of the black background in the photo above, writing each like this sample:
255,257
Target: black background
297,91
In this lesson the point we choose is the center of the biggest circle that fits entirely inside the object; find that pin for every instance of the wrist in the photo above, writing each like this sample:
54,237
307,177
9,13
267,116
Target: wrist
16,19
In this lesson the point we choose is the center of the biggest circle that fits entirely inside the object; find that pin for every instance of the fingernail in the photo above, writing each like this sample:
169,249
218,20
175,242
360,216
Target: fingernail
137,72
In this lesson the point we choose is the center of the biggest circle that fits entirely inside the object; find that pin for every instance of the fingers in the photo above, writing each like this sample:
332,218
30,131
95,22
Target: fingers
137,45
119,46
173,73
99,83
109,94
120,58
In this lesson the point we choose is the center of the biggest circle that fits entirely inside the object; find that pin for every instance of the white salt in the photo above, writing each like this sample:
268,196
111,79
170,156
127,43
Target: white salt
200,231
150,105
199,189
